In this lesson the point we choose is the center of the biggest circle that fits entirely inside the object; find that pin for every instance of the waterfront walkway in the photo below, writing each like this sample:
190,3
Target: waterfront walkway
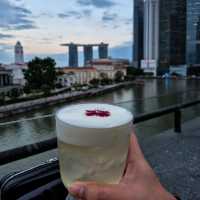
174,157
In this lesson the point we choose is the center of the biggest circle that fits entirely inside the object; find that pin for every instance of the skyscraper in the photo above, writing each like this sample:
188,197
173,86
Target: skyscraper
193,32
151,36
88,53
172,33
19,53
73,55
151,29
138,31
103,51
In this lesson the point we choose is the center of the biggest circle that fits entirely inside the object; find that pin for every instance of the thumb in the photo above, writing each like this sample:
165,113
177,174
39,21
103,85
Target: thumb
93,191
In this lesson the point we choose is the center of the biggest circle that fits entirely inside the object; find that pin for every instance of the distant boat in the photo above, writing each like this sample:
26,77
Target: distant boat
166,76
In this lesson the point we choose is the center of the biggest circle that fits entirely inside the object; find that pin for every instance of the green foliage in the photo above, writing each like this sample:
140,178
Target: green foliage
41,73
95,82
27,89
106,81
119,76
46,89
132,71
2,98
14,93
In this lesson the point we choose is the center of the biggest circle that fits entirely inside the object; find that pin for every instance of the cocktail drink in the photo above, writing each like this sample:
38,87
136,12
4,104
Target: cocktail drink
93,141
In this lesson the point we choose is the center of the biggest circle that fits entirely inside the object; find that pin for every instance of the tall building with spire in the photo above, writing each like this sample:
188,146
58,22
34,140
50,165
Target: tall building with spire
19,54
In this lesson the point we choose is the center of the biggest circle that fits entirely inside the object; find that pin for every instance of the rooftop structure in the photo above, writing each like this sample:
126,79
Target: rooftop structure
88,52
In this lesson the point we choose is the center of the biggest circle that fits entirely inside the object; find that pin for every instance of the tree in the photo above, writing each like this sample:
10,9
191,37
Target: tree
132,71
106,81
2,98
41,73
14,93
95,82
119,76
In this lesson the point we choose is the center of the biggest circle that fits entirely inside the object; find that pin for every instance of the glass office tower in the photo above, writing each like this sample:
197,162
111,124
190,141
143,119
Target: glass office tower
138,31
193,32
172,33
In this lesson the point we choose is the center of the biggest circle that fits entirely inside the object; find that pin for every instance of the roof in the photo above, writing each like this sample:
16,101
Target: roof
78,68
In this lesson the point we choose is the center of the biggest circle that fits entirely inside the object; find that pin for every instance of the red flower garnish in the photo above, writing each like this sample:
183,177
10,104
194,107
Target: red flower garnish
98,113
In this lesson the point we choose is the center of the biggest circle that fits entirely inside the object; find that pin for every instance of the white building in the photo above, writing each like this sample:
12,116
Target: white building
17,73
19,65
109,67
97,69
151,36
19,54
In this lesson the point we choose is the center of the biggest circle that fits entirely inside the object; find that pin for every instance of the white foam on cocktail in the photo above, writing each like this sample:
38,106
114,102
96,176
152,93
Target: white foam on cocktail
74,126
76,115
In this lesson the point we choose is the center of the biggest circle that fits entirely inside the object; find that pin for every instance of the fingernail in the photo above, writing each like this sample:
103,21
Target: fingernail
76,190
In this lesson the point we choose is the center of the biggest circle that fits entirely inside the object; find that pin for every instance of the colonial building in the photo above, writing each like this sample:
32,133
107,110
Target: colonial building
77,75
5,77
96,69
109,67
17,73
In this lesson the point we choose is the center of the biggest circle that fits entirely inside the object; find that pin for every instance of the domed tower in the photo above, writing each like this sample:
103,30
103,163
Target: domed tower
19,54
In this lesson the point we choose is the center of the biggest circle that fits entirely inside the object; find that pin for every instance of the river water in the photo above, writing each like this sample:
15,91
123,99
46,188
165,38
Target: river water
139,99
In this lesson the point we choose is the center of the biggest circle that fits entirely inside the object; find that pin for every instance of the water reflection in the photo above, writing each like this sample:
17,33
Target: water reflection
138,99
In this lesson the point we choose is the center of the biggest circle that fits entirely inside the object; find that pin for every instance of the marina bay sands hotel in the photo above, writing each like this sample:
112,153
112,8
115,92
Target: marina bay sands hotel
88,52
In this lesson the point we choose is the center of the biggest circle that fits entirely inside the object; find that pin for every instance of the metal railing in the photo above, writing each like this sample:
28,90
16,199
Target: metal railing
40,147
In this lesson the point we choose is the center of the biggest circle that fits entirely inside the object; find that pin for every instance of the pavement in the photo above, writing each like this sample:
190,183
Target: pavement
174,157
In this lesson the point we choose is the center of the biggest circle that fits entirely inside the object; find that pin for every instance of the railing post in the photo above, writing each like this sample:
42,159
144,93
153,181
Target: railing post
177,121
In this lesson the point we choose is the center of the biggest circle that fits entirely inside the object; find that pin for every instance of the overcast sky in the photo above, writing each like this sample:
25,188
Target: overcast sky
41,25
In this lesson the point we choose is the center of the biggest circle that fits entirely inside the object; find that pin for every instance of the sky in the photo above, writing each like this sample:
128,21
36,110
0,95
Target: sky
42,25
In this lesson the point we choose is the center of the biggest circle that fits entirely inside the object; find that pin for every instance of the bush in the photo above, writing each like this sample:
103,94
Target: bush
27,89
95,82
132,71
106,81
14,93
46,90
119,76
2,98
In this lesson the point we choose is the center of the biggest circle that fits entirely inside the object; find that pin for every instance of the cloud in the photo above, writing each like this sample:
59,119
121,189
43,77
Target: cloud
109,17
69,14
96,3
15,17
5,47
5,36
75,14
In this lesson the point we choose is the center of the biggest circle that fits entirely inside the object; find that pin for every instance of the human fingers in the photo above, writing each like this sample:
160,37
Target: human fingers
93,191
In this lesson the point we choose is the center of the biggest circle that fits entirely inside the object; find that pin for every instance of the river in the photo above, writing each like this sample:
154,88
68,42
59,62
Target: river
139,99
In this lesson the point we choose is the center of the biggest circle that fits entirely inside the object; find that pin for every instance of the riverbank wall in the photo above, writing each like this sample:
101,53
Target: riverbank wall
17,108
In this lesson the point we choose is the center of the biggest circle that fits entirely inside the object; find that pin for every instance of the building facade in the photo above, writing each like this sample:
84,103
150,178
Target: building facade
17,73
73,55
138,32
97,69
172,34
109,67
5,77
193,32
71,76
151,36
103,51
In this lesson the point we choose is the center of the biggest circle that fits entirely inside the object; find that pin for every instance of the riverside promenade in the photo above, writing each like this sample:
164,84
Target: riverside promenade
22,107
174,157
